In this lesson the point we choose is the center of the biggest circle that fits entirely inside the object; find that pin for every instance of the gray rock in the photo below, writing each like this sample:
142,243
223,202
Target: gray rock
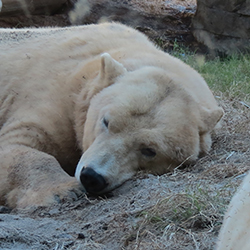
223,25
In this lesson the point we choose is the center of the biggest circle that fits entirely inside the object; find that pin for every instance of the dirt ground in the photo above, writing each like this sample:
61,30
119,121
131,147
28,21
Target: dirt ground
179,210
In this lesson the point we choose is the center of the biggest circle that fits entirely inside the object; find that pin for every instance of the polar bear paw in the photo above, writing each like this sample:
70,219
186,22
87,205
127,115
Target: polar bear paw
44,195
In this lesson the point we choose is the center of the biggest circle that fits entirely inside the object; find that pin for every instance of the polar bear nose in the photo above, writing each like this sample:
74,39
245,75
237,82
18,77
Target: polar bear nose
93,182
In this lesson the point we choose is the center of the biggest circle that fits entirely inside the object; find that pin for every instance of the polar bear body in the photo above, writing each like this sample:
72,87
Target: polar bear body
60,85
235,231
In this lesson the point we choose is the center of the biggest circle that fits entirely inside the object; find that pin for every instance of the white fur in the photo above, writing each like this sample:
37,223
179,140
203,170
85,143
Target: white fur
235,231
58,84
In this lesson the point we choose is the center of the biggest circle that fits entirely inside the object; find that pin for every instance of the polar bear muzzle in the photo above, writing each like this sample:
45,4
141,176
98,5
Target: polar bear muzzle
93,182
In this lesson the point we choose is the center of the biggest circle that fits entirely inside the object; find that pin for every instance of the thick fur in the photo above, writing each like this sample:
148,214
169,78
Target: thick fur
235,231
58,89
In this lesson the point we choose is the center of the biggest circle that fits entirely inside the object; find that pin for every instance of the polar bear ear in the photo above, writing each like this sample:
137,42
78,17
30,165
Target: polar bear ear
209,119
110,68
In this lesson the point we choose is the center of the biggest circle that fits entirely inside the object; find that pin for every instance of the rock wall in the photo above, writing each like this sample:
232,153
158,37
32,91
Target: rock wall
165,22
29,7
223,25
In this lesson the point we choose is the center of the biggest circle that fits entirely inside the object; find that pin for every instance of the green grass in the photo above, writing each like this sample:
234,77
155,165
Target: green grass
230,75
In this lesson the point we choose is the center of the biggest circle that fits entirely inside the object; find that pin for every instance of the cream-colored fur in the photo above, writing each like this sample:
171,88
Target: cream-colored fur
102,89
235,231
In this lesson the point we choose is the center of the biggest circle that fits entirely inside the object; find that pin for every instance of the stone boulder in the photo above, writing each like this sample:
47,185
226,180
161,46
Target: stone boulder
223,25
29,7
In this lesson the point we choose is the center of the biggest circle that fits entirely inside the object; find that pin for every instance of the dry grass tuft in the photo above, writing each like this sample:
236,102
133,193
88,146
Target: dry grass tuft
187,216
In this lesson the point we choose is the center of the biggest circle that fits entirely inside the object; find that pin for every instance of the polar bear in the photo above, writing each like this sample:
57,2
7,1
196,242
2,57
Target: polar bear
99,102
235,231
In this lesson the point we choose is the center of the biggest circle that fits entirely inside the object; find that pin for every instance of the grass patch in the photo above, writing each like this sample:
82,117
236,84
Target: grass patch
230,75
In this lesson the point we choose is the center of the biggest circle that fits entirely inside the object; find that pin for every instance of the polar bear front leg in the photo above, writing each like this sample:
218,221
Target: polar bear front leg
29,177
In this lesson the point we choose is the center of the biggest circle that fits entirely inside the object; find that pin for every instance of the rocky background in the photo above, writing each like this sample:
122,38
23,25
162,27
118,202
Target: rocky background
166,22
221,25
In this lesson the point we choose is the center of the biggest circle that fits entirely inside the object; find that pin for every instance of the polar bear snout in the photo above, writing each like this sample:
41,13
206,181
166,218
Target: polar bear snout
93,182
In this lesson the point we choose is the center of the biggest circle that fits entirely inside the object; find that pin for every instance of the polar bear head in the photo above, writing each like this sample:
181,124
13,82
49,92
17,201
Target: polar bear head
142,120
